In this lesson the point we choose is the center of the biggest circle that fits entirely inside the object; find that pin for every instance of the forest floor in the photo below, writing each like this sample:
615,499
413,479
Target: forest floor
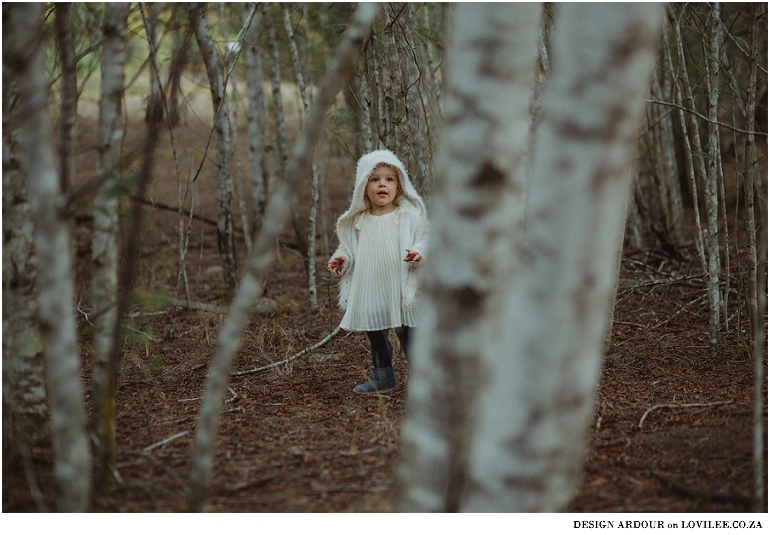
672,429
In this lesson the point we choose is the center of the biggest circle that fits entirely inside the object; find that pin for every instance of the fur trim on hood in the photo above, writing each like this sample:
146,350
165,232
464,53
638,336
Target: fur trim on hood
366,164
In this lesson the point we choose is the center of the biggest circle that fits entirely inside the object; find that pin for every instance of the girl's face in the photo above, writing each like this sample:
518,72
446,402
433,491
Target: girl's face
382,189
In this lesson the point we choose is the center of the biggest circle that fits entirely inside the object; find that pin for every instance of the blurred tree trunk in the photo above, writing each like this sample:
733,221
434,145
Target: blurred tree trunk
507,433
25,405
182,37
24,53
477,220
105,247
215,72
69,95
264,253
154,111
529,447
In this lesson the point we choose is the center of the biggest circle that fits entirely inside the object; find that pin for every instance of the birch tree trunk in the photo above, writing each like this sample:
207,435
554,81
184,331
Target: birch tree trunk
757,278
556,313
311,230
215,73
235,146
258,169
25,406
688,151
105,247
24,52
523,414
478,216
280,123
264,252
711,193
712,242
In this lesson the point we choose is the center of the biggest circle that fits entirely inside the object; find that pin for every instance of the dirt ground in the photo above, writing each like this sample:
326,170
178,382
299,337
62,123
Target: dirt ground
671,432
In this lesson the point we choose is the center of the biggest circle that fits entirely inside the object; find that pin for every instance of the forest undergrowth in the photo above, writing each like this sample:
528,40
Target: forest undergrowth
671,430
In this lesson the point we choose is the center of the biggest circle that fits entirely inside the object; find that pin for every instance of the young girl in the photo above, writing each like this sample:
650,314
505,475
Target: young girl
383,237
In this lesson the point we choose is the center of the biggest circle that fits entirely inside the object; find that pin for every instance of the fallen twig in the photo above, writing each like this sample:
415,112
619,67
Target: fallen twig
293,357
678,406
166,441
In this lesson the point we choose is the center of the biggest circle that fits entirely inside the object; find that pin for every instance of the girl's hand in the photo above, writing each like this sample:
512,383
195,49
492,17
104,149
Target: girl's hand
335,265
413,256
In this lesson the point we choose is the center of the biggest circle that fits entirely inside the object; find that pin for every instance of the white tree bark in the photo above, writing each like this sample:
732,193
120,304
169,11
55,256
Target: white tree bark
215,73
235,147
25,51
523,420
258,169
689,158
530,443
24,395
710,198
478,215
264,252
105,248
711,189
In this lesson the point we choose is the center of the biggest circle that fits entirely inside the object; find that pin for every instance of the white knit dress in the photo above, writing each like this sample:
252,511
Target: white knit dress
375,301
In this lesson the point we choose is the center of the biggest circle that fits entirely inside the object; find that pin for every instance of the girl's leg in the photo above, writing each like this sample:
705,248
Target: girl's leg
382,352
404,334
382,370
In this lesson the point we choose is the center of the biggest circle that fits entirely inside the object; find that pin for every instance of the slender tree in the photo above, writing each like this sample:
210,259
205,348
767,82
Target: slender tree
257,125
105,247
711,190
23,51
25,405
216,75
280,122
68,92
311,232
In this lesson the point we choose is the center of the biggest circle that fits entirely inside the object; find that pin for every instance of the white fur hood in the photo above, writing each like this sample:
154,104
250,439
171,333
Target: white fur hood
366,164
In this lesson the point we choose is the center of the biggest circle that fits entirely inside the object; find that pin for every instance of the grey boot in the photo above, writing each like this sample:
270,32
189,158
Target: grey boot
382,379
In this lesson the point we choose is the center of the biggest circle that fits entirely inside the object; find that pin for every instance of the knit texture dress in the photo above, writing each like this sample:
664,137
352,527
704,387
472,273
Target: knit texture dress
375,301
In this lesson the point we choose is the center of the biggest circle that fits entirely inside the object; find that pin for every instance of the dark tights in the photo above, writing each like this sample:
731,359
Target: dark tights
382,352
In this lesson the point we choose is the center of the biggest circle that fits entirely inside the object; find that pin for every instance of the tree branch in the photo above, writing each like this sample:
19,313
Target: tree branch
693,112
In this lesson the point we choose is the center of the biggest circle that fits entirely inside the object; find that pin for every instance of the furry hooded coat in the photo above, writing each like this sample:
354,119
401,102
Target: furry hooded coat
412,225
